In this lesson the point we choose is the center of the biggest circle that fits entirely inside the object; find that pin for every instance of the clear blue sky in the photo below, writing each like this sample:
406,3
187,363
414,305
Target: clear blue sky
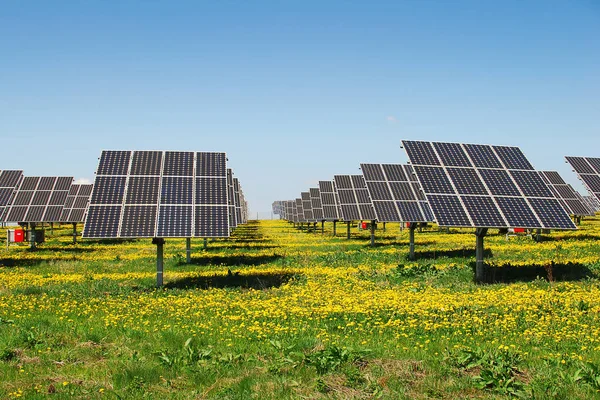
295,92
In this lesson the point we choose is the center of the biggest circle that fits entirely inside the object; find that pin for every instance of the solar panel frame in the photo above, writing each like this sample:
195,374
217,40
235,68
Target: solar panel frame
565,194
392,193
329,201
76,203
317,207
501,170
37,200
354,198
588,171
156,186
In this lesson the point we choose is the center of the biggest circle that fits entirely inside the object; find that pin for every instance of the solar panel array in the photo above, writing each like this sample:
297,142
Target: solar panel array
565,194
592,202
299,214
395,193
329,201
160,194
354,198
469,185
588,169
76,203
38,199
9,181
317,207
233,220
307,207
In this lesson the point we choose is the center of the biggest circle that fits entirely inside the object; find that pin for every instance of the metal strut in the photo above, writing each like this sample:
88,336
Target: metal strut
348,230
159,242
480,269
188,250
373,233
411,240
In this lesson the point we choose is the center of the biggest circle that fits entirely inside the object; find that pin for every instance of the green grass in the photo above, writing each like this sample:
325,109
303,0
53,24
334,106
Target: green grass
277,312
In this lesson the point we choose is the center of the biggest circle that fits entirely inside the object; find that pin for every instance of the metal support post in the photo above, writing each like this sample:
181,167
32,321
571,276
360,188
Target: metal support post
322,227
538,235
373,233
480,270
205,243
188,250
384,227
411,240
348,230
32,236
74,232
315,227
52,228
159,242
334,228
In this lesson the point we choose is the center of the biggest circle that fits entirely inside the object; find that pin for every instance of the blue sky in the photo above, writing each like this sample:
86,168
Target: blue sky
295,92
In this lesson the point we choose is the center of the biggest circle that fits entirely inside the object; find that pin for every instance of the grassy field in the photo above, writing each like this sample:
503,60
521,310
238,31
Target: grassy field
276,312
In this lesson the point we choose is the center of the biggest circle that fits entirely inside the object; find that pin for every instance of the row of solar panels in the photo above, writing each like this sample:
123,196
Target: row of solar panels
41,199
135,194
161,194
453,184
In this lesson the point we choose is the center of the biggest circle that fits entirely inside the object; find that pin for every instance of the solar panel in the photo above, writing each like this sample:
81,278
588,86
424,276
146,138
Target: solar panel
9,181
317,207
394,196
75,203
471,185
588,169
307,207
139,194
299,211
38,199
565,194
329,201
592,202
354,198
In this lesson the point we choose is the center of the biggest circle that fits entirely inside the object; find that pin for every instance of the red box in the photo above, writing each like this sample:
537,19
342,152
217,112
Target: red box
19,235
364,225
519,230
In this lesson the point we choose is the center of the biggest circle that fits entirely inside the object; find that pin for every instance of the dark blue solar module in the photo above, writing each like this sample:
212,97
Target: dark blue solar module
486,186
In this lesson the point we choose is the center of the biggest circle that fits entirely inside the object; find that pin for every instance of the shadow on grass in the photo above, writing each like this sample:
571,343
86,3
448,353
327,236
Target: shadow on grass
67,249
232,280
558,272
457,253
20,262
111,241
234,260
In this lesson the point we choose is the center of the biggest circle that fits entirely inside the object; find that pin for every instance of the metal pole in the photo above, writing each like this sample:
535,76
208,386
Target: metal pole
315,227
538,235
159,242
373,233
348,230
334,228
74,232
205,243
411,238
188,250
52,228
384,227
32,236
322,227
479,255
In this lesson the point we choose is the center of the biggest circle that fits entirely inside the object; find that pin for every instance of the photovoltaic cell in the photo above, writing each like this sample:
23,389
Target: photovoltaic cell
36,199
354,198
567,196
502,190
76,203
588,169
161,194
394,196
329,201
